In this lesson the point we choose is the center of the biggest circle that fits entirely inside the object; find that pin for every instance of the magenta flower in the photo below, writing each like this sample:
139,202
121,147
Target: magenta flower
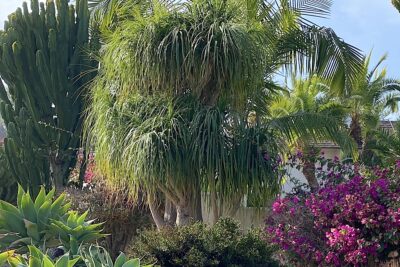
348,221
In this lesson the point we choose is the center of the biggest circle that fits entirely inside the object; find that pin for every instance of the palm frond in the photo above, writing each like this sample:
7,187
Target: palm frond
333,58
312,126
316,8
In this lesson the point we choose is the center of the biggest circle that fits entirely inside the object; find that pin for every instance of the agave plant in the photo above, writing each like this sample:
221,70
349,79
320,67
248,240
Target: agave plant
96,256
36,258
75,231
43,222
93,256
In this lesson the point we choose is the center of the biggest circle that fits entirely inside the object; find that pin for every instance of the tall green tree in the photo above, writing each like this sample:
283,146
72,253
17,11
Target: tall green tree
45,65
311,96
373,95
386,144
179,107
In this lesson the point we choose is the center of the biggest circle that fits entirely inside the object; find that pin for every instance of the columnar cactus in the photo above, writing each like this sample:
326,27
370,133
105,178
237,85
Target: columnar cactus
45,63
8,186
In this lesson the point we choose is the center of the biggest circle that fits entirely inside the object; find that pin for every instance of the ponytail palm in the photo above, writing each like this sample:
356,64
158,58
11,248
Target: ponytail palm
170,108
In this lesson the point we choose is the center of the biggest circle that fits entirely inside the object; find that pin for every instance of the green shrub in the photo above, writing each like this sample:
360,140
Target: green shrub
198,245
44,223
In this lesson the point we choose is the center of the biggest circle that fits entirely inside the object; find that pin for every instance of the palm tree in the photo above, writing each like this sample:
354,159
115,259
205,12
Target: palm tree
310,96
171,109
371,97
385,146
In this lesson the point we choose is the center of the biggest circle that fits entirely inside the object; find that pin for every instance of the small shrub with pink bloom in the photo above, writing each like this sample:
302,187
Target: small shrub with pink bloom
352,220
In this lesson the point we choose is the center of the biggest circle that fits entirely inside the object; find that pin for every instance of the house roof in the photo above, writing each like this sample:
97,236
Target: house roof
385,125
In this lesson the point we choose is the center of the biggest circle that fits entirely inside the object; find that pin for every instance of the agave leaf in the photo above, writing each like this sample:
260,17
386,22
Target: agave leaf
17,262
43,214
91,237
65,208
28,208
60,230
120,260
62,261
35,252
56,207
35,262
7,239
32,230
72,219
25,241
47,262
132,263
21,193
14,222
82,218
5,256
79,230
73,245
72,262
9,207
40,199
50,195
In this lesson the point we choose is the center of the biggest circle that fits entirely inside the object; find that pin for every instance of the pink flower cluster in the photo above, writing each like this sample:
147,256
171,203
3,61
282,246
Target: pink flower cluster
347,223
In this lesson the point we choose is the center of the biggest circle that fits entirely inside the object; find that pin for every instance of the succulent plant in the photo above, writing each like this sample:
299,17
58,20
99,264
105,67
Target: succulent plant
74,230
36,259
96,256
8,184
44,223
45,63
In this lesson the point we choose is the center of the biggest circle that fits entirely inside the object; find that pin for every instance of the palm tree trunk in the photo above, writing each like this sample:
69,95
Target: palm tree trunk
309,158
309,173
355,129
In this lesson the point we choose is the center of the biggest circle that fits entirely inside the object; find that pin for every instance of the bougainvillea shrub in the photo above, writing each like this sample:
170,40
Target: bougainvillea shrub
352,220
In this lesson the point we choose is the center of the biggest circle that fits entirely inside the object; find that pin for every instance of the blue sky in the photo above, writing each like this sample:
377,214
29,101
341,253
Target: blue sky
367,24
